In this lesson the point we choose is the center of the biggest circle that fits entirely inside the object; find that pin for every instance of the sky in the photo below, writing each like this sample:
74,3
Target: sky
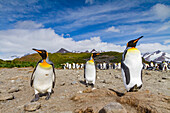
80,25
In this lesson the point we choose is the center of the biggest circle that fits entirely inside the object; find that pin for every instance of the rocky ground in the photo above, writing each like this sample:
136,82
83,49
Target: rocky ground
70,94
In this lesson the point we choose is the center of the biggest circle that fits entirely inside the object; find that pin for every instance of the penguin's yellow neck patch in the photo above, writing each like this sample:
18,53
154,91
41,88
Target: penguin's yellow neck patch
133,49
44,64
91,61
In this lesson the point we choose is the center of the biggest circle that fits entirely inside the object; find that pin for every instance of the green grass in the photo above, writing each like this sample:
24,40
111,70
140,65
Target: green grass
10,64
60,58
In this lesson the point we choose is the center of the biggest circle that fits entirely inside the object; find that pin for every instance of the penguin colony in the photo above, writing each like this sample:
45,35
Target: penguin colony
43,77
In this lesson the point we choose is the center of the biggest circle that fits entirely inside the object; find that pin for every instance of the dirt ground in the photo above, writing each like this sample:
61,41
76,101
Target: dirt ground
71,95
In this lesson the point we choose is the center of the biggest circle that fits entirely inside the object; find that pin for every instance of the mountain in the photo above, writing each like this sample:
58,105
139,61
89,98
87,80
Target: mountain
93,51
62,50
157,56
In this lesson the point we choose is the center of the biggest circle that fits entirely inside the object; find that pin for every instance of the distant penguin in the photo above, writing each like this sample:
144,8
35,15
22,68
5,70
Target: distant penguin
104,65
73,65
43,76
69,66
90,71
131,65
119,65
114,66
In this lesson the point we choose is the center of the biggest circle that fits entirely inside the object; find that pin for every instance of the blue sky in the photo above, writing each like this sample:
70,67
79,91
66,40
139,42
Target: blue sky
83,25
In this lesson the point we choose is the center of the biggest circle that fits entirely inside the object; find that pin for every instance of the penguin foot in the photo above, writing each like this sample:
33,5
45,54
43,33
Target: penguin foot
92,85
87,84
48,96
135,88
36,98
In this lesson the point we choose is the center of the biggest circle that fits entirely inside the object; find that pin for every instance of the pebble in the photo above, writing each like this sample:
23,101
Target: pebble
163,78
1,82
13,89
74,82
62,84
6,96
32,106
113,107
88,90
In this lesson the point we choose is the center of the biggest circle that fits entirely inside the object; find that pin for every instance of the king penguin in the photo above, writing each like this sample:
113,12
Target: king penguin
131,66
43,76
90,71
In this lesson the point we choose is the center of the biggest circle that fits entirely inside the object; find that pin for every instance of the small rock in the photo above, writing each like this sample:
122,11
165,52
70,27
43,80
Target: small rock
74,82
75,98
62,84
89,110
13,89
88,90
79,111
102,81
117,76
5,96
79,92
12,81
1,82
113,107
164,78
32,106
148,73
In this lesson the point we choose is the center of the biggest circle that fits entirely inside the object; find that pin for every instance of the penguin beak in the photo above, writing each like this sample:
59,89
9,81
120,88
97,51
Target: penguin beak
37,50
98,54
135,41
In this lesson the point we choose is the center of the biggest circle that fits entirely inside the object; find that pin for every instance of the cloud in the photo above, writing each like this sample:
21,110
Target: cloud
161,11
151,47
112,29
27,25
21,41
164,27
141,30
89,1
166,41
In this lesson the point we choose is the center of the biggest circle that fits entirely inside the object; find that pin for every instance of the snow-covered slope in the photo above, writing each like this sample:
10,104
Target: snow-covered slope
157,56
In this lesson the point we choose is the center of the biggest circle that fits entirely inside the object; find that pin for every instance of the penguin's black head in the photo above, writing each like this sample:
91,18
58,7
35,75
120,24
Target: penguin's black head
43,53
133,43
95,54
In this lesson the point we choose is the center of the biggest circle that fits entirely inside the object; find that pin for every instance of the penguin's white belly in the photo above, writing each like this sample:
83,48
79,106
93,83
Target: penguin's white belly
90,72
133,61
43,79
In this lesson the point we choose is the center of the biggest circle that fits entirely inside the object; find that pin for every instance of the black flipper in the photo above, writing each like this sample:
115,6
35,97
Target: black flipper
84,71
54,75
126,71
32,76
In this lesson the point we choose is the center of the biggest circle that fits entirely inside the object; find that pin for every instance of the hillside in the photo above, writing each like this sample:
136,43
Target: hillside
60,58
